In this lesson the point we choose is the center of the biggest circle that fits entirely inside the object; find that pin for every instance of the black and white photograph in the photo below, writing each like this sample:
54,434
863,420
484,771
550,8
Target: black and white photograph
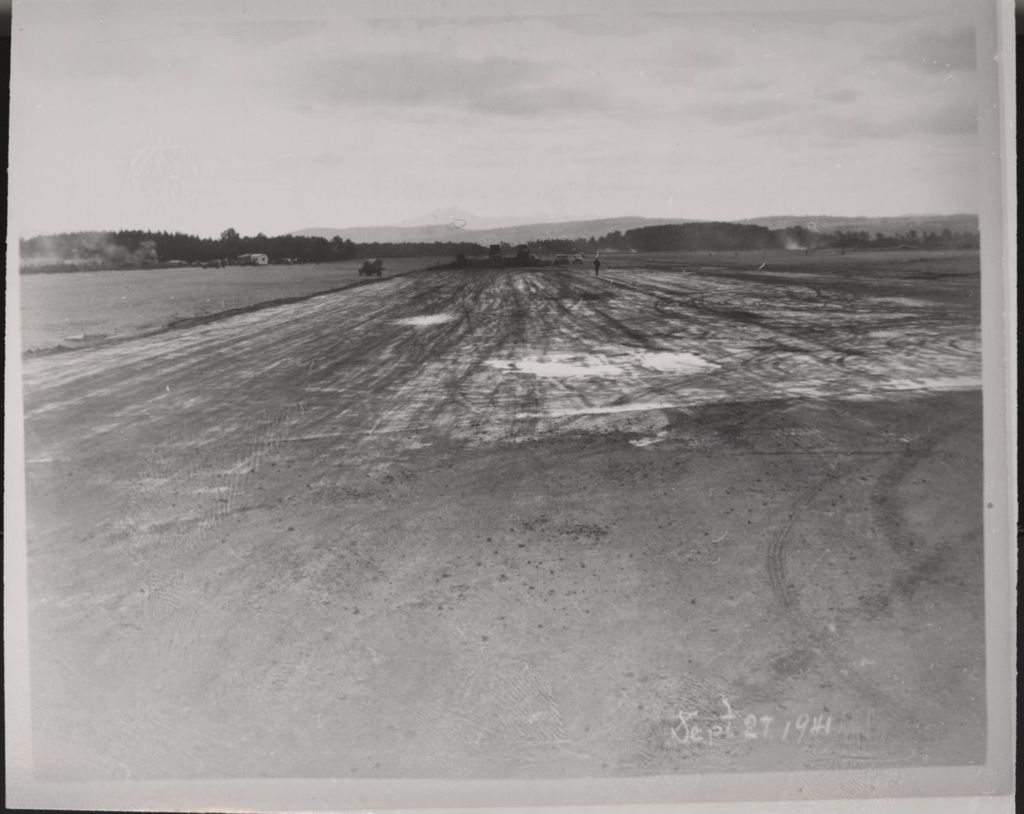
609,394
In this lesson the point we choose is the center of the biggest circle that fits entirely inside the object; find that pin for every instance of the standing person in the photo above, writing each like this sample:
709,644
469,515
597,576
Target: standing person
597,266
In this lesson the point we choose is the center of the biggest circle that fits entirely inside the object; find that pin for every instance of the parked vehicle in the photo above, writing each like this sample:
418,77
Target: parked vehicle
372,268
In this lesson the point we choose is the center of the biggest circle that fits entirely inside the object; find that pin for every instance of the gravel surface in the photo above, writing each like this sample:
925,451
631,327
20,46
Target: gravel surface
515,523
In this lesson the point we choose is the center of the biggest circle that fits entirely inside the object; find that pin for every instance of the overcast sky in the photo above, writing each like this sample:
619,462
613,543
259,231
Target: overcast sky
200,116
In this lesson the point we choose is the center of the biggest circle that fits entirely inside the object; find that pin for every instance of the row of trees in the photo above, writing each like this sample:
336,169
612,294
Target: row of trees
613,241
738,237
134,248
701,237
946,239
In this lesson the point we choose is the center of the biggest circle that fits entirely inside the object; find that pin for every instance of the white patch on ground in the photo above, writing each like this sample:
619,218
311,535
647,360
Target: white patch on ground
563,412
930,384
910,302
670,362
887,334
558,365
808,390
506,365
651,439
318,436
568,365
426,319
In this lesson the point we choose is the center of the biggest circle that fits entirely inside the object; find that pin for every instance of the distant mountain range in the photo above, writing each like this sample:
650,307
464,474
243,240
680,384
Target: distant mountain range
454,232
461,219
454,225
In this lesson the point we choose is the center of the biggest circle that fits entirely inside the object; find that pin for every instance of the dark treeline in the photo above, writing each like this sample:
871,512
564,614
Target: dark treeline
701,237
614,241
739,237
742,237
385,250
946,239
136,248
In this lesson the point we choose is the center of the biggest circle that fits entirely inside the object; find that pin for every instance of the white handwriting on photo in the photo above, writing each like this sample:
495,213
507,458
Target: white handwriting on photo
728,726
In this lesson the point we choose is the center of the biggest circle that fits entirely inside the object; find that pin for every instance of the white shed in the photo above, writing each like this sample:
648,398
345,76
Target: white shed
254,259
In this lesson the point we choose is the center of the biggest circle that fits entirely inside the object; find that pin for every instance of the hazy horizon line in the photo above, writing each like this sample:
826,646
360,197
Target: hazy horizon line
408,226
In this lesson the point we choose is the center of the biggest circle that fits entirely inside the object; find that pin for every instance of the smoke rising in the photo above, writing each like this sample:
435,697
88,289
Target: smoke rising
86,249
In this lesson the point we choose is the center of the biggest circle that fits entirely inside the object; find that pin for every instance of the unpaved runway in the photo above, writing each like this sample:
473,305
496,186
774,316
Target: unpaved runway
515,523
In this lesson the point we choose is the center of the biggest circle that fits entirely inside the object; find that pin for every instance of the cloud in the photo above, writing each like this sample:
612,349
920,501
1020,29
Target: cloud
398,25
264,33
951,119
497,85
740,112
839,95
958,117
933,52
264,123
64,55
621,25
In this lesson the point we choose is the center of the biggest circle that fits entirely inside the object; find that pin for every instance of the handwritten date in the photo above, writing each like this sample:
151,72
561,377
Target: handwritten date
729,725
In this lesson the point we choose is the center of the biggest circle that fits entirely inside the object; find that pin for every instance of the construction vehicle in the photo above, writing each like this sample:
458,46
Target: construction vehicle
526,258
372,268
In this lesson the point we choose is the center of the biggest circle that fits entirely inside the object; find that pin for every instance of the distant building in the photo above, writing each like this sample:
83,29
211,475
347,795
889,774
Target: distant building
495,254
253,259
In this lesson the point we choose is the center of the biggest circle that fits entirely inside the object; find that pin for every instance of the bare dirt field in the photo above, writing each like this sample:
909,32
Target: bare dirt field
80,309
686,516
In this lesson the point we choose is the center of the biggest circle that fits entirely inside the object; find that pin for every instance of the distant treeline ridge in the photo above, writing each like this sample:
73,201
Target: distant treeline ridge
135,248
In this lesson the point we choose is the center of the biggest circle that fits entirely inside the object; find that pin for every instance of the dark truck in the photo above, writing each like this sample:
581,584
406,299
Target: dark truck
372,268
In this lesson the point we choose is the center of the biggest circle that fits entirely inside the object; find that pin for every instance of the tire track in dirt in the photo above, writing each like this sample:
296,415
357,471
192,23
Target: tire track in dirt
194,351
167,594
884,497
834,467
923,557
840,342
338,393
788,593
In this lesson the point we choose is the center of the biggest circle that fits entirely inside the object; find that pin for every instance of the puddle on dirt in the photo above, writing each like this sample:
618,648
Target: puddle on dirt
909,302
85,337
929,384
558,365
564,412
426,319
649,440
565,365
669,362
